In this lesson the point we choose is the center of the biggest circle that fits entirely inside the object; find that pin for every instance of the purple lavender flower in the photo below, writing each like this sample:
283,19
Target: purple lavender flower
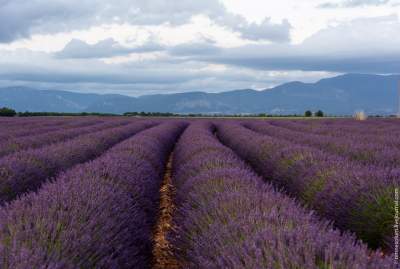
26,170
227,217
97,215
356,197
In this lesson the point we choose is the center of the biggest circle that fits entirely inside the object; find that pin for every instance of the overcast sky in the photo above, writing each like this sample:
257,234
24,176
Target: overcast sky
137,47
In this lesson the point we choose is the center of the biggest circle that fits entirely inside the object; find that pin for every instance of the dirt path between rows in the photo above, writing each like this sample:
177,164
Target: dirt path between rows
163,257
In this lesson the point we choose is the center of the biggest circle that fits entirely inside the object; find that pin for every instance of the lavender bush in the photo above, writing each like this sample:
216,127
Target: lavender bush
27,170
21,123
36,141
12,133
383,152
227,217
371,129
96,215
355,197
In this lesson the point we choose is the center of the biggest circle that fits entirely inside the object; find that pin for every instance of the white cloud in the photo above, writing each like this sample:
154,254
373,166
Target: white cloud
353,3
21,19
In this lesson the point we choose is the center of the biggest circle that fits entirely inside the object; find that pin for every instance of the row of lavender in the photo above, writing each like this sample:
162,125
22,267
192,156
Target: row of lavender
26,170
26,130
383,151
97,215
356,197
15,123
19,127
370,129
38,139
262,228
227,217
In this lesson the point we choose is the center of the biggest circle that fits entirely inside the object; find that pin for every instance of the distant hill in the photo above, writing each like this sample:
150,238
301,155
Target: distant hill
375,94
28,99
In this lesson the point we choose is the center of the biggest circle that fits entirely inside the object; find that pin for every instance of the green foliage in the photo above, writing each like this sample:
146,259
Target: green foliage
319,113
7,112
150,114
308,113
316,186
162,114
200,115
375,217
61,114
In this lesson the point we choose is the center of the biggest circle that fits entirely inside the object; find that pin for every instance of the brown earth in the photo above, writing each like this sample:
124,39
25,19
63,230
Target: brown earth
163,256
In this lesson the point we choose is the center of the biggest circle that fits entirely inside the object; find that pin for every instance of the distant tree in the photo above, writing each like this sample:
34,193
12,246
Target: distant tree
319,113
7,112
308,113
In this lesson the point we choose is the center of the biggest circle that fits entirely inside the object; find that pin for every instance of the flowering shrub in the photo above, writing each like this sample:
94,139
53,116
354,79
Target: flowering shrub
227,217
97,215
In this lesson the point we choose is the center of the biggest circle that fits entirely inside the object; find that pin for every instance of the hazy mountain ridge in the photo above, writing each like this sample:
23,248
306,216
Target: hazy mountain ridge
344,94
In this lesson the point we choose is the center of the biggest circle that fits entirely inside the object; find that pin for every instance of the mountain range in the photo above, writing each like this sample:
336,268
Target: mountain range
341,95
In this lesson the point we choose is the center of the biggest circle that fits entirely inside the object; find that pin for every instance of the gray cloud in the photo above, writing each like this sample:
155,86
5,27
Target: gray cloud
21,19
309,62
162,75
374,49
354,3
42,67
366,45
266,30
98,72
203,47
76,49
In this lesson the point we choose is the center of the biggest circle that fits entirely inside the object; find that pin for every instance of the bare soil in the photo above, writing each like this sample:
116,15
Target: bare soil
163,251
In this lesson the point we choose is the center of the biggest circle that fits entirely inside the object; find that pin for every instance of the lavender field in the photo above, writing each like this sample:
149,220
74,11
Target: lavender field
125,192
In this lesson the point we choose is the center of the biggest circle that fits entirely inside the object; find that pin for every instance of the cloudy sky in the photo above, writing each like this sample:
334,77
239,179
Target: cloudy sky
137,47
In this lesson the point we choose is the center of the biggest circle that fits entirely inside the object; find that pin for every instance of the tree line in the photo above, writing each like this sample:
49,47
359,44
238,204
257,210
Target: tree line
8,112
